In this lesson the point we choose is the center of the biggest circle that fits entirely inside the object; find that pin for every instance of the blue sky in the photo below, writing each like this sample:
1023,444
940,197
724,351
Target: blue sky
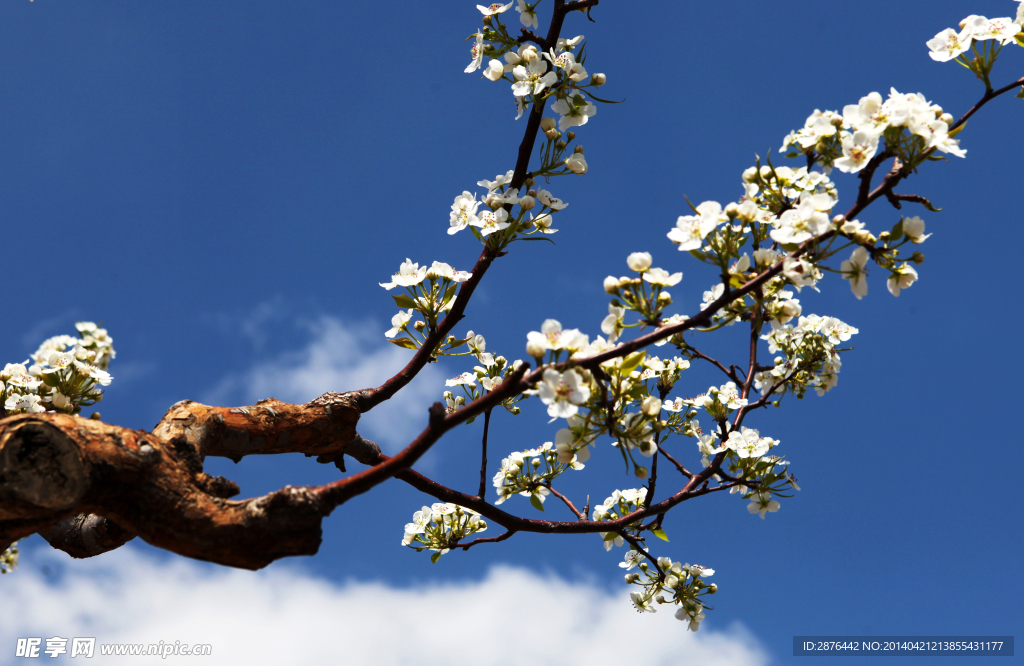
224,186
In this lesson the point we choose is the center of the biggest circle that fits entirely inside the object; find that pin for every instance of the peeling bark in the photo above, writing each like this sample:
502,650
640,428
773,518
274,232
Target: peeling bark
89,487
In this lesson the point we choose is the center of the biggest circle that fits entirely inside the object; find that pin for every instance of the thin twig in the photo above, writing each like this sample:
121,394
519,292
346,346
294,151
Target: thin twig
483,456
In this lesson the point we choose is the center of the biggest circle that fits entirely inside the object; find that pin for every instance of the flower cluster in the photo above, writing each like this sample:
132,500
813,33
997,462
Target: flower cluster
495,226
682,584
63,375
621,503
440,527
951,44
850,140
487,377
631,294
430,292
521,473
809,356
9,559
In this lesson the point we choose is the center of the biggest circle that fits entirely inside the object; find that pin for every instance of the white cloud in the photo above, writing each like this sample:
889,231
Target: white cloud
343,356
283,615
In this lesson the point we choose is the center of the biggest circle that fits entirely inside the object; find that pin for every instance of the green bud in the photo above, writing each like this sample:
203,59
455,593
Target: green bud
570,135
884,236
487,21
917,258
712,588
420,325
535,462
577,149
95,416
560,145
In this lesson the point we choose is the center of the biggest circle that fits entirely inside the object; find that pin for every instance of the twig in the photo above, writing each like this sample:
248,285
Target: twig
483,456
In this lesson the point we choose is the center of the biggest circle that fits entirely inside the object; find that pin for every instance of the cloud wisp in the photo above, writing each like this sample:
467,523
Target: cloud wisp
284,615
341,356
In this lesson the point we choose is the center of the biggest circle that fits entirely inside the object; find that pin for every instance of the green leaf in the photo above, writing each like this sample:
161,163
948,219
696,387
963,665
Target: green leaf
458,343
897,231
630,362
449,292
537,504
611,536
660,533
606,101
404,342
537,238
435,557
1020,95
404,301
953,133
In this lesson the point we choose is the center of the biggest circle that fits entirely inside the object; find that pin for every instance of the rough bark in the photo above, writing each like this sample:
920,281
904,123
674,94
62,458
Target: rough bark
89,487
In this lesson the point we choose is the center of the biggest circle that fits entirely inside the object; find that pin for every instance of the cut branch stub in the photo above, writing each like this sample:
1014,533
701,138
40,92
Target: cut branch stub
41,470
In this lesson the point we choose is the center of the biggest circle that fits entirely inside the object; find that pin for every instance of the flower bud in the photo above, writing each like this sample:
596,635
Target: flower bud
750,175
560,145
664,562
527,202
570,135
651,406
732,210
766,172
577,149
547,124
639,261
419,326
598,79
536,349
611,284
917,258
641,473
712,588
95,416
664,298
552,133
884,236
535,462
946,118
487,21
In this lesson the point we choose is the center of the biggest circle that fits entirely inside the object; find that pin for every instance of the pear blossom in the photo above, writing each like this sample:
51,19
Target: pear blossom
29,403
852,269
554,203
465,379
568,44
748,443
1002,30
567,61
491,10
913,227
477,53
661,277
576,163
527,15
494,71
901,278
947,45
498,181
858,150
631,559
574,112
442,271
552,337
463,212
802,223
694,616
532,78
398,322
639,261
493,220
762,503
562,392
612,324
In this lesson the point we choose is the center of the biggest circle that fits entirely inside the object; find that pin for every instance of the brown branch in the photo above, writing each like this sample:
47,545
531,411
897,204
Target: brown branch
579,516
682,470
501,537
370,398
483,456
